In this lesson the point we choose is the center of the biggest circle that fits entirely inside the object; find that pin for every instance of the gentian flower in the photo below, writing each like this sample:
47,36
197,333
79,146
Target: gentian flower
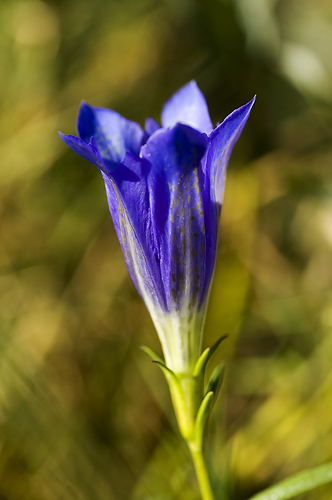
165,190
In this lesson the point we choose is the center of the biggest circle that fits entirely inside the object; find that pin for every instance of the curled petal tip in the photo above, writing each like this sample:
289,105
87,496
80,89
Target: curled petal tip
187,106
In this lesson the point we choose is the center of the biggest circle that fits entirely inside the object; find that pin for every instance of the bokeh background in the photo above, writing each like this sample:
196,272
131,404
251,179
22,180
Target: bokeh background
84,414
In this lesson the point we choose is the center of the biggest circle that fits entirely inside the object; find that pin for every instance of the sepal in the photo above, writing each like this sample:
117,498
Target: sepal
177,393
216,379
201,363
150,352
182,399
191,405
201,418
169,374
171,378
215,346
206,356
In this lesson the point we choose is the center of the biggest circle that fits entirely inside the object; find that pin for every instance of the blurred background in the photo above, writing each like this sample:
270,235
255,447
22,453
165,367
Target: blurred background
84,414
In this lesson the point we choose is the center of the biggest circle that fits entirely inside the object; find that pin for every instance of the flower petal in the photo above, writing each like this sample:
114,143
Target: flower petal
177,213
212,178
113,134
129,205
222,141
187,106
88,151
151,126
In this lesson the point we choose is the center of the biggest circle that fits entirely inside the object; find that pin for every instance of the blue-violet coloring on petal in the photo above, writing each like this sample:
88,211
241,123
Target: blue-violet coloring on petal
165,187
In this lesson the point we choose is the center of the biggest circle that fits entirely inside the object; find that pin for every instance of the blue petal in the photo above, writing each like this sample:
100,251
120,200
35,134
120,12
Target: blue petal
113,134
187,106
88,151
151,126
129,204
213,173
177,212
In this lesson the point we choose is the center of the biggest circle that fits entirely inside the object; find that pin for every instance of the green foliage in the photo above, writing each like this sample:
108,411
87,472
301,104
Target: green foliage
299,483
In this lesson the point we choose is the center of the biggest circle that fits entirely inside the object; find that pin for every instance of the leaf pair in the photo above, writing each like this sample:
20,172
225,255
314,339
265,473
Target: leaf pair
192,403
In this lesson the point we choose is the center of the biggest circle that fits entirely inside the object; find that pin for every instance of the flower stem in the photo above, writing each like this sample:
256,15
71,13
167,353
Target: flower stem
192,407
201,472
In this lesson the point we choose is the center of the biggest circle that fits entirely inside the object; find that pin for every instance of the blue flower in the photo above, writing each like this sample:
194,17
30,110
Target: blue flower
165,190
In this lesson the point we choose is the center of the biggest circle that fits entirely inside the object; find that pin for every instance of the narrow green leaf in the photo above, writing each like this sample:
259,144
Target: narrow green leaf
205,356
202,416
150,352
300,483
216,379
166,370
170,376
179,400
201,362
216,345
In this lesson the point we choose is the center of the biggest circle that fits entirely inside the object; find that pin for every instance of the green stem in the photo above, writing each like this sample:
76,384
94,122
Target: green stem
192,408
201,472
